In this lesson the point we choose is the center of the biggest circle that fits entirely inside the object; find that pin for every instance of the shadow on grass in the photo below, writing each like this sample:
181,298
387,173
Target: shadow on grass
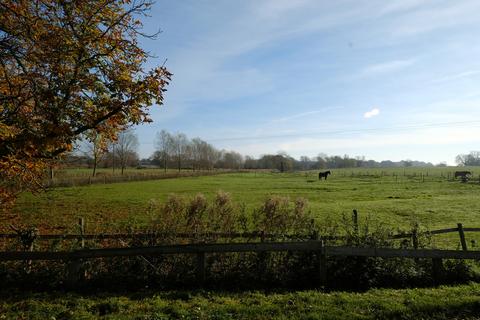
376,304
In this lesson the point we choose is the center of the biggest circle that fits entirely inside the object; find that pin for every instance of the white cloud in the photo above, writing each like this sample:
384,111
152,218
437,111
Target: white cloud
429,144
273,9
399,6
443,15
385,67
371,113
425,137
305,114
461,75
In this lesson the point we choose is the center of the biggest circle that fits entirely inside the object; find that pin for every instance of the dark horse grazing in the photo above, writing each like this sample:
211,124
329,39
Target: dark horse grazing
464,175
324,175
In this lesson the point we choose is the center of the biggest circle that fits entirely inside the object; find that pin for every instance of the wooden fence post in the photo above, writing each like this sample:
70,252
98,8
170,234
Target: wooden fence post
437,270
29,262
355,221
81,225
73,270
322,265
262,257
462,237
201,268
415,238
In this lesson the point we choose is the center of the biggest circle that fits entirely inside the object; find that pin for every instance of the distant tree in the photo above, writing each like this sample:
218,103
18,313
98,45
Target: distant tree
305,162
230,160
372,164
94,148
68,67
461,159
164,147
321,161
250,163
188,155
202,154
471,159
284,161
126,148
281,162
391,164
349,162
407,163
360,160
179,146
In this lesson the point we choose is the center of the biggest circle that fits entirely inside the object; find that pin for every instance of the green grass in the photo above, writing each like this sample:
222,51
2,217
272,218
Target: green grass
393,201
460,302
386,197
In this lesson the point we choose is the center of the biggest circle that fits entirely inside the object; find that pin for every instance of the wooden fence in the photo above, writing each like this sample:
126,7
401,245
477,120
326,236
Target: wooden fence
74,258
101,178
30,236
312,243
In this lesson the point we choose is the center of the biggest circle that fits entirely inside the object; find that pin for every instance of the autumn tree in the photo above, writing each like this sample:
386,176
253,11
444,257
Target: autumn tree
67,67
95,148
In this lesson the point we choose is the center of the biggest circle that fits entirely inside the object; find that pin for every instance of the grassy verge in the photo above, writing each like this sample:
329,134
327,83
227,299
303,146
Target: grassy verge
461,302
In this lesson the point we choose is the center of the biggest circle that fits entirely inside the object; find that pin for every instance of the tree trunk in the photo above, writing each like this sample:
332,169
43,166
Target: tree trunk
94,166
113,159
165,163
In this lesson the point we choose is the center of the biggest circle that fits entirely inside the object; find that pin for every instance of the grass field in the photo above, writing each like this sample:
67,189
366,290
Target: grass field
394,198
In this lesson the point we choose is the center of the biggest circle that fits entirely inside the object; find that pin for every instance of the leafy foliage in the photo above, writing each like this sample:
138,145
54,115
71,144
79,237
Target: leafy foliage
67,67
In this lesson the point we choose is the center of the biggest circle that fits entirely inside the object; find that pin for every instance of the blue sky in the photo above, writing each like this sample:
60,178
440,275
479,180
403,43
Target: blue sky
381,79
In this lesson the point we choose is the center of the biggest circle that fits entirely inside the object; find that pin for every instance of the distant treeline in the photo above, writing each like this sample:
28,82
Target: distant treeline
471,159
177,151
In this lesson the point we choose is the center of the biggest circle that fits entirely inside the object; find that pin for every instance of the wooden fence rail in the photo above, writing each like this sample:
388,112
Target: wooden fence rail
234,235
146,236
312,245
74,258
